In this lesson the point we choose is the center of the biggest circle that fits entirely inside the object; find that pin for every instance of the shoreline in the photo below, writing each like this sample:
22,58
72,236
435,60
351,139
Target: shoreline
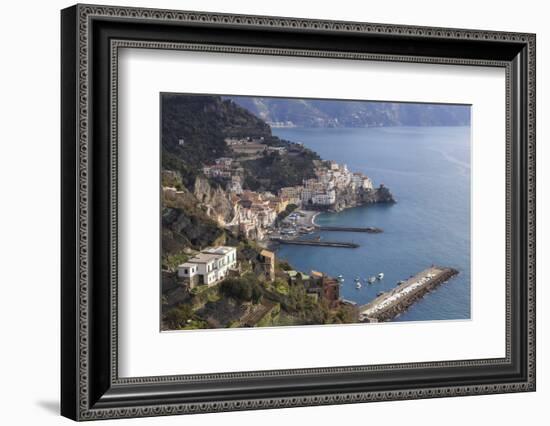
313,223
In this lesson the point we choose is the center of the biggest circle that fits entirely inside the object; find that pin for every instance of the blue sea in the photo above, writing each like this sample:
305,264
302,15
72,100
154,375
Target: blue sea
428,171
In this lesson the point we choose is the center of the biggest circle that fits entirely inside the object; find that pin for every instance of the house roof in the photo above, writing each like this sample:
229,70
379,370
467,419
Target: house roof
221,250
294,274
209,254
267,253
203,258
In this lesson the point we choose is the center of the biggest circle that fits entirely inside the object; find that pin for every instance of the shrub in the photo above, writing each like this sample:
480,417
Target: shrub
178,317
245,288
172,261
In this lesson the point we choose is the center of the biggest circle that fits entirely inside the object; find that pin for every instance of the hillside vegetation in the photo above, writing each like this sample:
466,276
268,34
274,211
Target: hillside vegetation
194,129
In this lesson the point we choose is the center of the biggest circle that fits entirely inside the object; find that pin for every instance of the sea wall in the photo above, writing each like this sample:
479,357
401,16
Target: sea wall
407,298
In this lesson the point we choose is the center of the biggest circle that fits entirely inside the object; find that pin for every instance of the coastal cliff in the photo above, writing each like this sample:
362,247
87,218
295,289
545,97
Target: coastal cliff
216,201
185,224
348,198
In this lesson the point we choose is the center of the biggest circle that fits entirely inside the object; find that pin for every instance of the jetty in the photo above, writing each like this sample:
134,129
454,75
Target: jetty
392,303
315,243
369,229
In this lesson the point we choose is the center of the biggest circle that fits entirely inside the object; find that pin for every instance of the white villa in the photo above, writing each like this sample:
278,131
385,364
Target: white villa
209,266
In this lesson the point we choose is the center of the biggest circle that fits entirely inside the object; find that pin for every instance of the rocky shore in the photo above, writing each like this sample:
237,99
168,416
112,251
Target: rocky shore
346,199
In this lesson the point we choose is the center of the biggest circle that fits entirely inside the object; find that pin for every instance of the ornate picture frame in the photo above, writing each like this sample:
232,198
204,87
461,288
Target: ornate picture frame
91,37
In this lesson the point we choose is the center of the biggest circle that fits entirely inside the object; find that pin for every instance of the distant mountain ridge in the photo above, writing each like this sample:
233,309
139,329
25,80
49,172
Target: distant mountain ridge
335,113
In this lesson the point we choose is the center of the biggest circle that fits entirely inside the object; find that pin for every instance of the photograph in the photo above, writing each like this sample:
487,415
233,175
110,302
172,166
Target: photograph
281,211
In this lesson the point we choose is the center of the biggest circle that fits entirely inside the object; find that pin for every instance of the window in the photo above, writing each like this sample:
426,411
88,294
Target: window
185,271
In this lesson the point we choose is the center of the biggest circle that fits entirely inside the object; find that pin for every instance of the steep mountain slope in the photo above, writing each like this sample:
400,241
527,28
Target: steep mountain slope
194,128
203,122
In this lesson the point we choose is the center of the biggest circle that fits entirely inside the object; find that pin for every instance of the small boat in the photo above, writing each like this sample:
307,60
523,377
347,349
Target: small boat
357,279
371,280
381,276
340,276
358,285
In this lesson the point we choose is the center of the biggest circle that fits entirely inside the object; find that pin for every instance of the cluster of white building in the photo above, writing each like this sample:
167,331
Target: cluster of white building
255,212
321,190
223,167
292,193
318,191
209,267
228,169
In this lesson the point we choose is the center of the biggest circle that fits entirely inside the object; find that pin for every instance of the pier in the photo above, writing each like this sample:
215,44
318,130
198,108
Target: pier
316,243
369,229
390,304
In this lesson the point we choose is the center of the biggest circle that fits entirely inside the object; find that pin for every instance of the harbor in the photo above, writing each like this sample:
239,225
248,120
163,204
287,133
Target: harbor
390,304
368,229
303,222
429,225
318,243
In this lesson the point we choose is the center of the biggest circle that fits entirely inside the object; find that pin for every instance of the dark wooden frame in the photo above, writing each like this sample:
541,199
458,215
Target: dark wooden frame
90,386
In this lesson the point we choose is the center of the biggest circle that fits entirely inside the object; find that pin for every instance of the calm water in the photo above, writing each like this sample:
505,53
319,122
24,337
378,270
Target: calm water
428,171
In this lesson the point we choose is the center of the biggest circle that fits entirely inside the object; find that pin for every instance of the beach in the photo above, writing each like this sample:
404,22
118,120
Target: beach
306,217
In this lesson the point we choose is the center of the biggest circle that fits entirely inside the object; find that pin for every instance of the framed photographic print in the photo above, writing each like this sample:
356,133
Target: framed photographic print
263,212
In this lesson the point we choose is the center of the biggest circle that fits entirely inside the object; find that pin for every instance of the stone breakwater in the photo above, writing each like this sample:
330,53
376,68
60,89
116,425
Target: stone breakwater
390,304
368,229
318,243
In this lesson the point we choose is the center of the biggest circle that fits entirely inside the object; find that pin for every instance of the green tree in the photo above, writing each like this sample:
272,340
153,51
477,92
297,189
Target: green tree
178,317
245,288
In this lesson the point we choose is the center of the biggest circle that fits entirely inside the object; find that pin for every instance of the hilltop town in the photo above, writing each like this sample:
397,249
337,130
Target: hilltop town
220,212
